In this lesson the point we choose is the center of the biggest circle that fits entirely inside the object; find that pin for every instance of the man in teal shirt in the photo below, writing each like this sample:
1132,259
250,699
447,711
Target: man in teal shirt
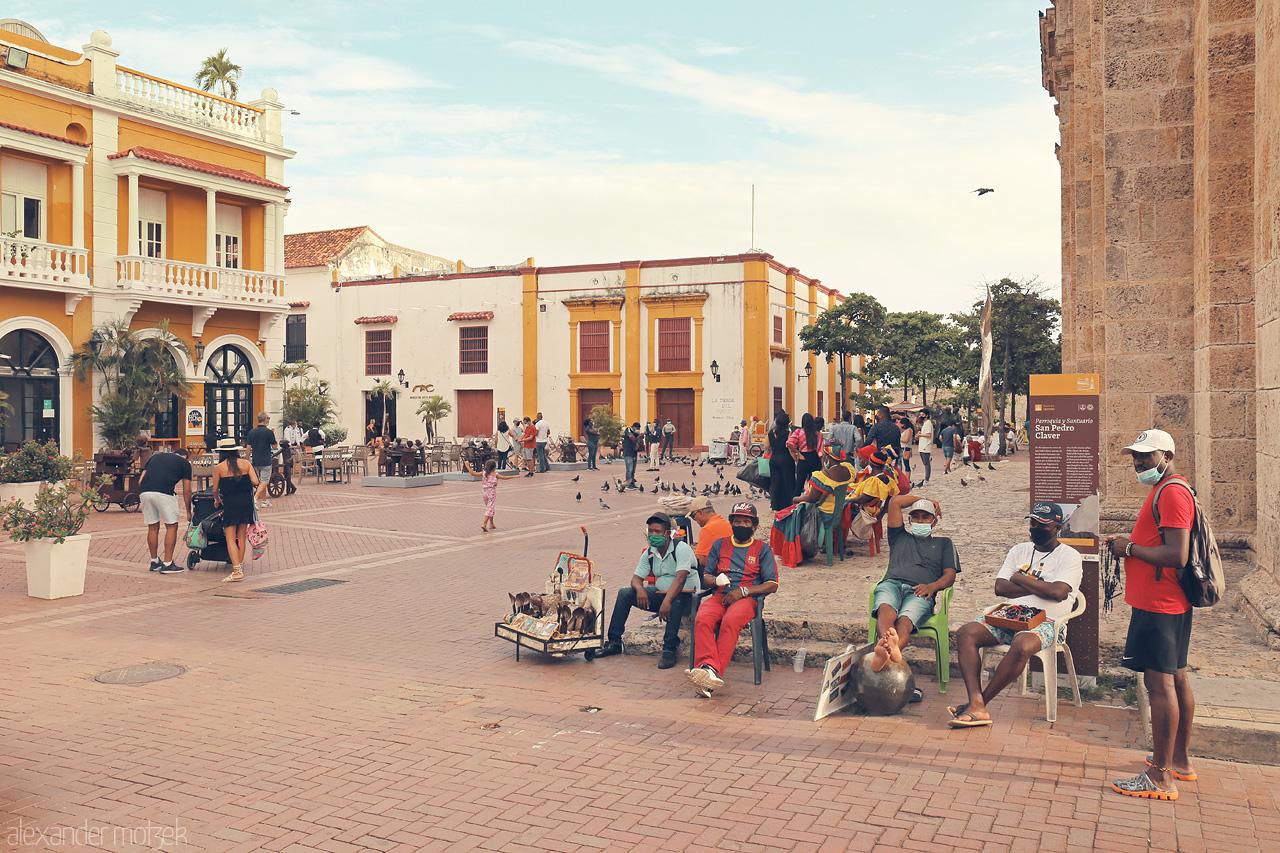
664,582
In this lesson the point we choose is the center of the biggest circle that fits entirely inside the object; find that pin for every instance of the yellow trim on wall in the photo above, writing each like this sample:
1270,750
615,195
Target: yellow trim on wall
582,310
791,342
631,314
813,358
529,312
757,391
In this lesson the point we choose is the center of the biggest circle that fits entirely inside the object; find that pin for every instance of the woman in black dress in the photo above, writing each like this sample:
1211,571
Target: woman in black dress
805,445
234,482
782,468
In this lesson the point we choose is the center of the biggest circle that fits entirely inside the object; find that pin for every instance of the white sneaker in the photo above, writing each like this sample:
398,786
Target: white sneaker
265,503
714,681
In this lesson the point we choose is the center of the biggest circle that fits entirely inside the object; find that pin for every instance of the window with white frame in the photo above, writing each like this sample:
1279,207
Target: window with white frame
24,189
227,237
152,215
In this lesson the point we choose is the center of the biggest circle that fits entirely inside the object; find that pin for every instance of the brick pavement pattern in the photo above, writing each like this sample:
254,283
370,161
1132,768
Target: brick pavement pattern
382,714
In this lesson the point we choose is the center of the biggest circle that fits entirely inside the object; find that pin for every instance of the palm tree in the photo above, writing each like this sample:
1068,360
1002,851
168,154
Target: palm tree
5,409
136,374
385,389
221,72
431,410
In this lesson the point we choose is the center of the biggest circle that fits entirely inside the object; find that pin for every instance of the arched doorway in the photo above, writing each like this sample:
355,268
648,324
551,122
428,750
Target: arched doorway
228,395
29,376
168,422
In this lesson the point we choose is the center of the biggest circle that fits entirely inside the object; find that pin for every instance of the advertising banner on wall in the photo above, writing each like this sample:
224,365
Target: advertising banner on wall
1064,439
195,420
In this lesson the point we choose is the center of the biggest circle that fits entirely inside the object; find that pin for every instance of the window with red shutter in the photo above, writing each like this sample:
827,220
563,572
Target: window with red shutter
377,352
473,349
777,399
674,352
593,344
777,329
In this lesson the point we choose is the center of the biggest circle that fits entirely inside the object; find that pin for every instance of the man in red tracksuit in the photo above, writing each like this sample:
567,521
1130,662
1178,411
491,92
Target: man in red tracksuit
740,569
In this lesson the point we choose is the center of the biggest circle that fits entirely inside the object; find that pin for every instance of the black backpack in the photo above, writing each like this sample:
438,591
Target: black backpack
1202,578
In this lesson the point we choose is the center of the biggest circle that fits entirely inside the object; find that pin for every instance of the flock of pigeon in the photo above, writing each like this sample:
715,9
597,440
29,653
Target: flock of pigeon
716,487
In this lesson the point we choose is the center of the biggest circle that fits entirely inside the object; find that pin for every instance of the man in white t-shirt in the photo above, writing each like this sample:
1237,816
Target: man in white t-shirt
924,429
1042,573
540,443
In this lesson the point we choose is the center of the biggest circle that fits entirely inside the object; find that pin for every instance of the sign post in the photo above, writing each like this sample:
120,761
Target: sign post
1064,442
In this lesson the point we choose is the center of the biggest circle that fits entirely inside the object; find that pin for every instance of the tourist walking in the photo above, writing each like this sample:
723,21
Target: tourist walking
906,434
1160,624
632,438
805,447
782,466
924,429
503,443
488,489
262,445
234,481
159,503
592,433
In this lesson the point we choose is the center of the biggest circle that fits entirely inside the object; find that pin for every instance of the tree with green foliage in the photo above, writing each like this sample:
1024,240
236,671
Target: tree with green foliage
384,391
431,410
850,329
609,424
918,349
136,374
217,71
306,398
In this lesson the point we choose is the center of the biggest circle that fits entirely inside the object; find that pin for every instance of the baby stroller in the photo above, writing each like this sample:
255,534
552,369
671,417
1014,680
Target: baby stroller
209,518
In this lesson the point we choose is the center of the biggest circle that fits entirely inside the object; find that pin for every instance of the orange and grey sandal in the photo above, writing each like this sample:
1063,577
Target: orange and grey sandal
1142,786
236,575
1181,777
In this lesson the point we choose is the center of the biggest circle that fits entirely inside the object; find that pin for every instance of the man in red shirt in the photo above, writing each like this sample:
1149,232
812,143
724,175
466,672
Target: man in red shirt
1160,626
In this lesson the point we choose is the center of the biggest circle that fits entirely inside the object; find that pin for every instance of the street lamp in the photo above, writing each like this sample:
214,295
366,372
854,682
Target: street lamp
199,350
715,370
808,371
400,376
96,340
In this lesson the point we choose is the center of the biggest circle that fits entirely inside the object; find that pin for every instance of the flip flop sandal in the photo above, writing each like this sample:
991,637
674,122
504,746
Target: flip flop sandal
1181,777
1142,786
971,723
917,695
956,710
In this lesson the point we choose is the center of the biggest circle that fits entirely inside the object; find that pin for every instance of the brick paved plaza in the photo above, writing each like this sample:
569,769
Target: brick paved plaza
381,714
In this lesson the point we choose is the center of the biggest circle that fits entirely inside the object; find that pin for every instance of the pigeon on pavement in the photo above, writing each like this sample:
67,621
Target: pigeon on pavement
603,505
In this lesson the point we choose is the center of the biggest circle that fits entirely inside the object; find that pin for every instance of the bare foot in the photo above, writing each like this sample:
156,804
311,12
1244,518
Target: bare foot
881,657
892,645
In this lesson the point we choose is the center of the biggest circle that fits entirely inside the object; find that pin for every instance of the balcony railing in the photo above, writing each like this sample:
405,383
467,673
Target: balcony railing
188,104
32,262
197,281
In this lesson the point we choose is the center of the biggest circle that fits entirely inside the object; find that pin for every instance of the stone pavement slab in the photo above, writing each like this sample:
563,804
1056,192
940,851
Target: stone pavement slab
381,714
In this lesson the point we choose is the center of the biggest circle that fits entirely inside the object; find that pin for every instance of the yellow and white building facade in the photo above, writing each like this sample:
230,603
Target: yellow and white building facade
123,195
705,341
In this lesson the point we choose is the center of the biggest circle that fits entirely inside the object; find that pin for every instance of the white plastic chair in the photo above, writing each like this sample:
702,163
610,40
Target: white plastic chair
1049,659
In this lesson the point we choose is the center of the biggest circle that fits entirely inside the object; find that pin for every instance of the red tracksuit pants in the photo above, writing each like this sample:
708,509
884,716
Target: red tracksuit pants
712,614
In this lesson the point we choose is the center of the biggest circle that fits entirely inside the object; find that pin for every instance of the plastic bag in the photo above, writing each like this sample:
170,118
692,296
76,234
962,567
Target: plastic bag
750,474
810,532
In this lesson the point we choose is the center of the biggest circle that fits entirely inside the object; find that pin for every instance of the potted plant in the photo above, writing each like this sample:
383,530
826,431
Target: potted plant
56,556
31,465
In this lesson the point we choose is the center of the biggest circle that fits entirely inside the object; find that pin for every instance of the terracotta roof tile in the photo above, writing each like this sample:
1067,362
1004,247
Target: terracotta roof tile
43,134
317,248
472,315
197,166
299,304
381,318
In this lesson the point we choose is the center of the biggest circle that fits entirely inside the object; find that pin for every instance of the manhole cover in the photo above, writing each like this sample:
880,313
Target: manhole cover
299,586
140,674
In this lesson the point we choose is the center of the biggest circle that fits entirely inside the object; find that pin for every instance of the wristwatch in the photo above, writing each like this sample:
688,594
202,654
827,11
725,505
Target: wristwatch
1128,549
746,593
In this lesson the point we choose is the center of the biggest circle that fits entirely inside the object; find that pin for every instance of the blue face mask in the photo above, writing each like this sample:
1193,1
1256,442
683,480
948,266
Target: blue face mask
1151,476
920,529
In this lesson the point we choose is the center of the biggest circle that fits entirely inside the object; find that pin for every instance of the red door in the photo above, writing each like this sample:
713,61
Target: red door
677,404
475,413
588,399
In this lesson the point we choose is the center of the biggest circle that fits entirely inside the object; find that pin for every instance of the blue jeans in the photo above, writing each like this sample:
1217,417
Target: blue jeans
898,595
542,457
592,446
630,462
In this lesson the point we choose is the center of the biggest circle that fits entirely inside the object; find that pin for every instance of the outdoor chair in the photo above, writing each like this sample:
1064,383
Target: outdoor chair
1049,659
759,633
455,457
332,466
359,458
307,466
936,626
833,532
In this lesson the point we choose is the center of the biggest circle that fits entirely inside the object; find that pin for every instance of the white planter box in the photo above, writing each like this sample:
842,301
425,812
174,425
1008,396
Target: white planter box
25,492
57,571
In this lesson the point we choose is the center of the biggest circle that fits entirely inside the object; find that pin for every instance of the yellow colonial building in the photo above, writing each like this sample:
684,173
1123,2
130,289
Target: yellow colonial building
123,195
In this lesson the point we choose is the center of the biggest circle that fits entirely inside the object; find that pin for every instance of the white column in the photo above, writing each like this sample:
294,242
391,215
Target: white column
134,244
77,205
210,225
279,214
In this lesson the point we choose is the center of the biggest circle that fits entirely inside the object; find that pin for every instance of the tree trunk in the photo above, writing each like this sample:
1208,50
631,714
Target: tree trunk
1004,385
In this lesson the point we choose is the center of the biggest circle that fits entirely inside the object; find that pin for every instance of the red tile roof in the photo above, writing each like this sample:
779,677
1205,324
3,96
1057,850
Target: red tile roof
299,304
197,166
472,315
317,248
381,318
43,134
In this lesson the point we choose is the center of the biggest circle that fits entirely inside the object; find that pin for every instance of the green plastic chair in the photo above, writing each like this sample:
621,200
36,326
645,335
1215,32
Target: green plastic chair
936,626
830,532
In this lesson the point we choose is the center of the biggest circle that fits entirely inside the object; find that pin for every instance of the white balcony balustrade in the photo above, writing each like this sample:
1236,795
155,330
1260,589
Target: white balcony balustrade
46,265
188,104
163,279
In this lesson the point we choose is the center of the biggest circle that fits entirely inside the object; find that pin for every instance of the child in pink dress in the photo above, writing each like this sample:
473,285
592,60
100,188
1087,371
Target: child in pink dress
489,489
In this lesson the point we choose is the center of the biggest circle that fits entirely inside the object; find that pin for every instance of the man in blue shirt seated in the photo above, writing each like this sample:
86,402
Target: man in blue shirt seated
664,582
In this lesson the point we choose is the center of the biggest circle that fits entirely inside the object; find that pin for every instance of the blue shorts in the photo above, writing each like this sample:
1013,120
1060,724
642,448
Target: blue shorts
948,451
1044,631
898,595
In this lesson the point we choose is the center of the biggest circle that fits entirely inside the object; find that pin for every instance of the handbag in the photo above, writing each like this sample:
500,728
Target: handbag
751,475
863,525
763,466
195,537
257,538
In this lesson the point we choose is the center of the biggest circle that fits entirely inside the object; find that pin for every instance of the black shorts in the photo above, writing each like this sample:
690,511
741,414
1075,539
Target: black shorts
1157,641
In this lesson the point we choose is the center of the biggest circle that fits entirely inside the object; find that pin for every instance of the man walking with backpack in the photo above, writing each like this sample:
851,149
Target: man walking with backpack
1160,625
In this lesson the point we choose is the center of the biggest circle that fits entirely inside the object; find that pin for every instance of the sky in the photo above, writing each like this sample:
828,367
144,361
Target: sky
577,132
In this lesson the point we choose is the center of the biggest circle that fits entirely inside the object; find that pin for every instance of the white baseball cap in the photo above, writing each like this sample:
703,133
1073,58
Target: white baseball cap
922,505
1149,440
